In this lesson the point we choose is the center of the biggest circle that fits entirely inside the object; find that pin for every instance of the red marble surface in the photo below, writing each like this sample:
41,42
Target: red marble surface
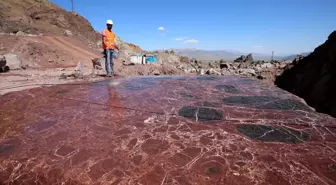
118,132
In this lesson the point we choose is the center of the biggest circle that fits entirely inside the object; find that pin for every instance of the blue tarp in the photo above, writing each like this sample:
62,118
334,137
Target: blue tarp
151,59
148,58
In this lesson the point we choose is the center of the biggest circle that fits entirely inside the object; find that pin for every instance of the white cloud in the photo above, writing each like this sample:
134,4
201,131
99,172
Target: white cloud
161,28
163,34
180,38
191,41
257,46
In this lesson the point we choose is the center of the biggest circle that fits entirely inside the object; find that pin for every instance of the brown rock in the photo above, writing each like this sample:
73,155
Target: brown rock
314,77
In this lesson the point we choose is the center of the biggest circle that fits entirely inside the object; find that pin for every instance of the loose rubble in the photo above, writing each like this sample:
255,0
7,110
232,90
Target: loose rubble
244,66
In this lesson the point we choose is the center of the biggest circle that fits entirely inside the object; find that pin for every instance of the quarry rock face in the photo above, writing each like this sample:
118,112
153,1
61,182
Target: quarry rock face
164,129
314,77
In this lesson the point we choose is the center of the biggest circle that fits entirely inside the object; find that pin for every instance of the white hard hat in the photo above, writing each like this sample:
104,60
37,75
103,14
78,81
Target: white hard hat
109,22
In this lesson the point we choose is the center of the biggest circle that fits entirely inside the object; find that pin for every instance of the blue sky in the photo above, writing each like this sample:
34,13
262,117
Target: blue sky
285,26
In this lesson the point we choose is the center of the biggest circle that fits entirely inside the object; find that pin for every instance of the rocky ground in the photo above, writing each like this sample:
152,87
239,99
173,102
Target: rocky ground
28,61
243,66
34,60
41,43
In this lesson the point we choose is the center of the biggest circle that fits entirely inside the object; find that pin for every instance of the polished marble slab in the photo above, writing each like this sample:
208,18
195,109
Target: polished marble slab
164,130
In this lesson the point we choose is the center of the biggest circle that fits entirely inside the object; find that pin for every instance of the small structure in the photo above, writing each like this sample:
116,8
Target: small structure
142,58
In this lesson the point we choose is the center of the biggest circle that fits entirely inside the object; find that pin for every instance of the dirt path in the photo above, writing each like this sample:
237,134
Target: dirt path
74,49
48,58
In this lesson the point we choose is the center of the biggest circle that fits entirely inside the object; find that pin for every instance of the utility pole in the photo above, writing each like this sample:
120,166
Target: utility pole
272,55
72,3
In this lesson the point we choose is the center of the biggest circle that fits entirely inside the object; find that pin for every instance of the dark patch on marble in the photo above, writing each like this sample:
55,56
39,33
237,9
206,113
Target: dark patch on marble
212,170
190,87
6,147
249,100
210,104
130,86
188,112
186,95
285,104
273,134
207,78
202,114
42,125
227,88
64,150
62,91
181,79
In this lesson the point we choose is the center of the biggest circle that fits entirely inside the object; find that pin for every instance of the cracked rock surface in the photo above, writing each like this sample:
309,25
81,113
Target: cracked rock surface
164,130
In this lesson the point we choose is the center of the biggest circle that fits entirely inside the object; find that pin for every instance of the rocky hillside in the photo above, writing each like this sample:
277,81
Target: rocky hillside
314,77
43,17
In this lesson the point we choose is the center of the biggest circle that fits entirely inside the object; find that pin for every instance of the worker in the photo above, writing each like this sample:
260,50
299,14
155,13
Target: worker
108,43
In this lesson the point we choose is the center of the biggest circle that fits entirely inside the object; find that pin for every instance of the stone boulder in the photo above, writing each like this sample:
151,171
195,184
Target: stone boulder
249,58
68,33
212,71
223,65
3,66
2,61
314,77
79,67
244,59
225,72
13,61
267,65
20,33
184,59
247,72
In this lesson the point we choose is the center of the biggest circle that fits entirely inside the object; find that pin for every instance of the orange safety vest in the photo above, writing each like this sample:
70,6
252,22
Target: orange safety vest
108,39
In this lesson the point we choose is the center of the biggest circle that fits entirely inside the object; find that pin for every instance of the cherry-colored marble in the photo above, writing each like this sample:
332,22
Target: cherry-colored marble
165,131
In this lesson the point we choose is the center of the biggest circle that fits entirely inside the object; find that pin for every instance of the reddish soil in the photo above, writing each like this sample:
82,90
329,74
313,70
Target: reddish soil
42,16
48,51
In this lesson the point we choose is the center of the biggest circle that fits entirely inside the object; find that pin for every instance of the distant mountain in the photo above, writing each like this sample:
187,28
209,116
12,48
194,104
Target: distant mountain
208,54
220,54
292,57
